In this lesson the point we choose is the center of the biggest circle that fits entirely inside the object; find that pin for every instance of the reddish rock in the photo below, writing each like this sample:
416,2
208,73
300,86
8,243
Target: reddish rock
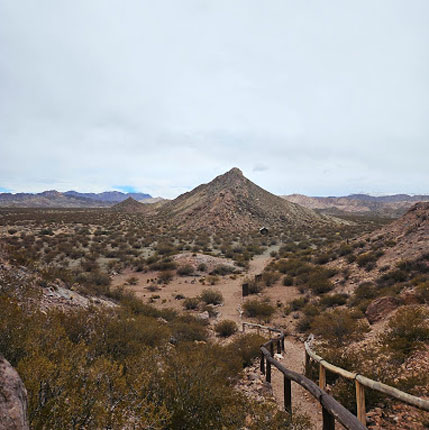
13,399
380,308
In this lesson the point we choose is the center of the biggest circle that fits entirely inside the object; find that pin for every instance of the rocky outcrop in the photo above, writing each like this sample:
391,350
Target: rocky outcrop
13,399
380,308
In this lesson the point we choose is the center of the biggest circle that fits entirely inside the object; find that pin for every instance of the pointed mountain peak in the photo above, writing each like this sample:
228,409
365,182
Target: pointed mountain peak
234,203
233,178
129,205
235,171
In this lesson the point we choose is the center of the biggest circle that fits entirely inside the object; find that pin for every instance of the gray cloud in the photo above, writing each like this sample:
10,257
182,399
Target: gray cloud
260,167
332,96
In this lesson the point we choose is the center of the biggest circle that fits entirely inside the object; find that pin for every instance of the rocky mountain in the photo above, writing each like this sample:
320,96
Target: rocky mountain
360,204
234,203
405,239
129,205
408,235
109,196
69,199
47,199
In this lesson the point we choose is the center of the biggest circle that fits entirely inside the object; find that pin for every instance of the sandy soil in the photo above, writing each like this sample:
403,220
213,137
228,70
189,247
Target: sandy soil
231,291
189,286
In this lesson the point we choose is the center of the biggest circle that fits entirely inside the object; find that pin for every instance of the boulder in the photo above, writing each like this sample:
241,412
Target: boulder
380,308
13,399
204,316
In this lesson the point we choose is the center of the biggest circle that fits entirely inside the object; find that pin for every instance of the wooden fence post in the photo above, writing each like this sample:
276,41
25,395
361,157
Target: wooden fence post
307,364
287,391
360,402
268,373
322,377
328,420
272,349
262,363
279,347
283,344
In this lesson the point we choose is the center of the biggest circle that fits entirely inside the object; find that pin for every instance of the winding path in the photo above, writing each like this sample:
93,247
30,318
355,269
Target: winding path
293,359
302,401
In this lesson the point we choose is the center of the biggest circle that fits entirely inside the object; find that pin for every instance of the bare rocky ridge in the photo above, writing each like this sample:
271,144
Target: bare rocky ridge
389,206
69,199
13,399
406,238
232,202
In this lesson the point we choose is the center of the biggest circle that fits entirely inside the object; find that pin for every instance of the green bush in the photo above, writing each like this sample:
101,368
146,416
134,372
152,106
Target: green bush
407,331
191,303
422,292
269,278
258,309
287,281
222,270
339,327
246,347
319,283
202,267
331,300
226,328
185,270
211,297
165,277
189,330
297,304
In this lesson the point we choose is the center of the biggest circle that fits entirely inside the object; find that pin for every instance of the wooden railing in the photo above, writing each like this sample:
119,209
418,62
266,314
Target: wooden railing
331,410
360,382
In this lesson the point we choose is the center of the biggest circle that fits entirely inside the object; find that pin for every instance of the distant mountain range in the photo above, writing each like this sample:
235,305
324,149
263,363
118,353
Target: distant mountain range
68,199
393,205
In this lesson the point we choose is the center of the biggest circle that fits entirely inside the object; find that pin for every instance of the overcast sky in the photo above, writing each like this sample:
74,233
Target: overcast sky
324,97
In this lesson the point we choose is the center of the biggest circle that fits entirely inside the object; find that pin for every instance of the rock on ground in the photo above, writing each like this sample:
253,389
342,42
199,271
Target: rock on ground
380,308
13,399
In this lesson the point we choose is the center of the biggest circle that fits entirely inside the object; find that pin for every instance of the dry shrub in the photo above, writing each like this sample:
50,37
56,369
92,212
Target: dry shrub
211,297
186,270
226,328
262,310
339,327
191,303
407,331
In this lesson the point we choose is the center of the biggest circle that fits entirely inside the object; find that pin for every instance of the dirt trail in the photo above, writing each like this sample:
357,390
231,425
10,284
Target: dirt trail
302,401
231,291
293,359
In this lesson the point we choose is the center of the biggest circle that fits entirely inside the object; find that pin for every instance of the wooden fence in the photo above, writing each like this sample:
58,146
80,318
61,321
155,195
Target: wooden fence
360,382
331,410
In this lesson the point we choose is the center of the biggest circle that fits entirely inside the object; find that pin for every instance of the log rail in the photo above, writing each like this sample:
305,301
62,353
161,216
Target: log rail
360,383
331,409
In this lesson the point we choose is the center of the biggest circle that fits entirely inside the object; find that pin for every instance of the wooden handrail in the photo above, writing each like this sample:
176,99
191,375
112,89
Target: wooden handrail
331,409
360,382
